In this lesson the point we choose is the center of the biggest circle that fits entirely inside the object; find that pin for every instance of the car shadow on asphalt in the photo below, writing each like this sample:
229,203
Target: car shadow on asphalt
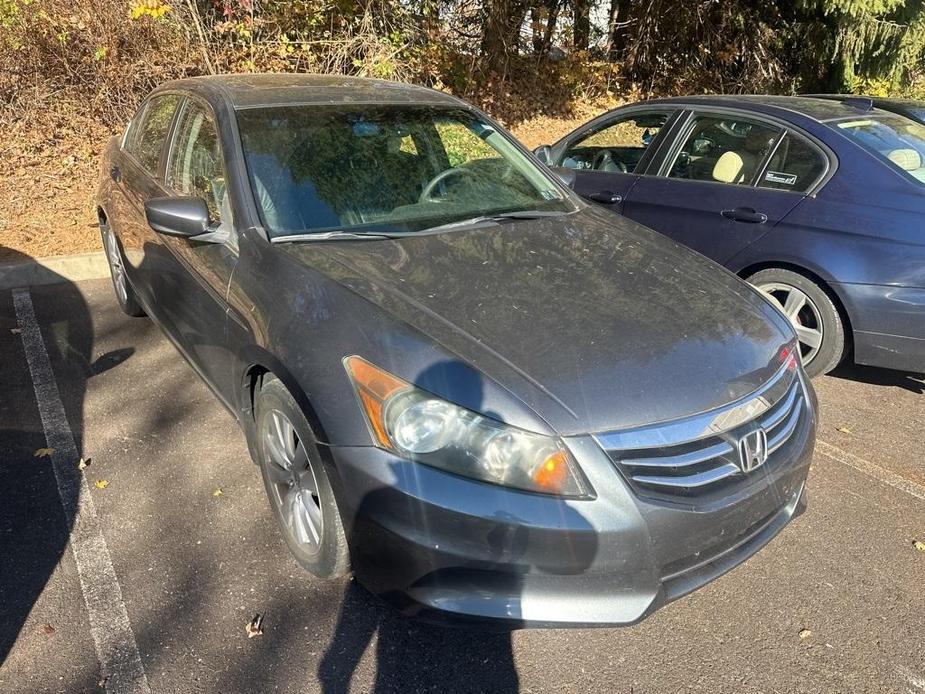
34,527
913,382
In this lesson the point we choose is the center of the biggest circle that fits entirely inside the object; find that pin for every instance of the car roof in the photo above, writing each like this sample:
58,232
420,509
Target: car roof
817,109
287,89
879,101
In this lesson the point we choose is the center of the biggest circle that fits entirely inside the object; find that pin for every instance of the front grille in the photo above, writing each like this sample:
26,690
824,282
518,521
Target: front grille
699,456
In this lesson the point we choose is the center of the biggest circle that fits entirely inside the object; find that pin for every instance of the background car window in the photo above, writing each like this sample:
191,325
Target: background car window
899,140
617,147
796,165
195,164
723,149
146,139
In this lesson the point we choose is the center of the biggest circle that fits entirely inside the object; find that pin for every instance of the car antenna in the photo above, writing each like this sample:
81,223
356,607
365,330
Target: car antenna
861,103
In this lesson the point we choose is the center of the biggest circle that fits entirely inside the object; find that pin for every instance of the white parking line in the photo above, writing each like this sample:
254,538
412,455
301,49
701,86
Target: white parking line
868,468
116,649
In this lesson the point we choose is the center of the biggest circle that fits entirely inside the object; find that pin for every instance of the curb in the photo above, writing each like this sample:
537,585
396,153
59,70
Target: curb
62,268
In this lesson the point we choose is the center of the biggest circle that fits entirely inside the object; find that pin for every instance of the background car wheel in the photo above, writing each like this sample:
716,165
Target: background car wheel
125,295
297,484
814,316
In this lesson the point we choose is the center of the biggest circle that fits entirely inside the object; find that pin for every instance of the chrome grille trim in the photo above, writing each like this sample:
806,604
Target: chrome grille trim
672,465
690,481
701,455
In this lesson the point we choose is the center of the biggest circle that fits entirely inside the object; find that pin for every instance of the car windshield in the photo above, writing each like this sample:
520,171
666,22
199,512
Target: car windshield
900,140
385,169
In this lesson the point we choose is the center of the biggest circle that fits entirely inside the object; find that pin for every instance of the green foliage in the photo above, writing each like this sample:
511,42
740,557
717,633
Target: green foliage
516,58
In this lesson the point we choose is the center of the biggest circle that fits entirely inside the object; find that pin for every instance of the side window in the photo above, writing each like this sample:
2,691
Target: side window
795,166
618,145
195,166
723,149
146,138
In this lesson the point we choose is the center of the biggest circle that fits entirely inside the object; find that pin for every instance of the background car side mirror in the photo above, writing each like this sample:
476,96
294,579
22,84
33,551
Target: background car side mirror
544,154
178,216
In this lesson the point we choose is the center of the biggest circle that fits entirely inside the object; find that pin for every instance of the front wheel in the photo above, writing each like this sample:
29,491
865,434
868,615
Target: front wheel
297,484
814,316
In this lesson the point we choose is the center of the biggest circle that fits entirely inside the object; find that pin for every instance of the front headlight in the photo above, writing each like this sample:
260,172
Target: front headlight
422,427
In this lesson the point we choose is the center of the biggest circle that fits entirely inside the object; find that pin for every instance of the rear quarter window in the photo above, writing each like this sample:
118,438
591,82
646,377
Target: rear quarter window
795,165
146,137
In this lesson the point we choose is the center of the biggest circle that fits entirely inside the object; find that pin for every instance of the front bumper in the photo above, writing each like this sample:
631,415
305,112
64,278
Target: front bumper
452,549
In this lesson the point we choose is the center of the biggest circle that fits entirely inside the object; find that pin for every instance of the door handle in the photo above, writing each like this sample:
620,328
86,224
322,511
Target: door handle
606,196
745,214
115,174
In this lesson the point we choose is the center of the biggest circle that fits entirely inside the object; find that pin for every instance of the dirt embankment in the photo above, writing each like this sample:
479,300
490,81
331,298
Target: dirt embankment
49,166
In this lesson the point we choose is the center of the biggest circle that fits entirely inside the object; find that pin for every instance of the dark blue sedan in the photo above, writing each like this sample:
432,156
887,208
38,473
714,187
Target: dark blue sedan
816,202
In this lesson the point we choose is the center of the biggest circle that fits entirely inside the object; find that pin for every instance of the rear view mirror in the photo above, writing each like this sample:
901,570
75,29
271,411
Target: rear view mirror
544,154
178,216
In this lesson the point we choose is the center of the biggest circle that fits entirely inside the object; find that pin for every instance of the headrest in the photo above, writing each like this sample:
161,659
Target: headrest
906,159
759,140
728,168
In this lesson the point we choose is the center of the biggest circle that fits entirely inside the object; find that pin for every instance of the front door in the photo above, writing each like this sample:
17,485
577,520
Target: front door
608,153
193,276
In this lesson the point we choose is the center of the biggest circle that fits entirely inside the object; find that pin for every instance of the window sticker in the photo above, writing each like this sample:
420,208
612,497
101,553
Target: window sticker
782,178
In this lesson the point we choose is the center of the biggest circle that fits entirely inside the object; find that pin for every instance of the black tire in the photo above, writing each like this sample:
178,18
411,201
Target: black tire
327,556
819,309
124,292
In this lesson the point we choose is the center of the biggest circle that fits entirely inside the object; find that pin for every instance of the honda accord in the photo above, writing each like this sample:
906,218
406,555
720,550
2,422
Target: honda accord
486,398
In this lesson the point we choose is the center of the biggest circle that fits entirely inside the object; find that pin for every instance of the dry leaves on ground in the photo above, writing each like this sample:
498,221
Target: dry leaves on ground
255,626
101,484
43,453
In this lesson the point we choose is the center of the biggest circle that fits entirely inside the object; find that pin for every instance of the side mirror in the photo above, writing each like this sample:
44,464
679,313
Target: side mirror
544,154
179,216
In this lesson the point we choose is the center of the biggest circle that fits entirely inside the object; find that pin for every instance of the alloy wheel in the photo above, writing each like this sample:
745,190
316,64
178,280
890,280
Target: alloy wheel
802,313
294,487
116,268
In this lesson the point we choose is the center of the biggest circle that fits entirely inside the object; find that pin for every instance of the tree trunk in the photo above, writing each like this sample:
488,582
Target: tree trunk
618,29
501,31
582,24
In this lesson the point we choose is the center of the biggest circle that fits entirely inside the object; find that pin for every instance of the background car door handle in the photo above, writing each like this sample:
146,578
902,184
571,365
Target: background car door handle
745,214
606,196
115,174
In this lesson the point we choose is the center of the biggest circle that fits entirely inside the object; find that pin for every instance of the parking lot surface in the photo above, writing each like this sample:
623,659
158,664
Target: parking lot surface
834,604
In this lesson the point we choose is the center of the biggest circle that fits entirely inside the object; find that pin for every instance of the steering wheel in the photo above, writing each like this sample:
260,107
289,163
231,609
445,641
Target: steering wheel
426,194
604,161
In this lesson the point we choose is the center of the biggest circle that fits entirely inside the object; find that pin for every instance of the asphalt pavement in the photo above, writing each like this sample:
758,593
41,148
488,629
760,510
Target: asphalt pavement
169,550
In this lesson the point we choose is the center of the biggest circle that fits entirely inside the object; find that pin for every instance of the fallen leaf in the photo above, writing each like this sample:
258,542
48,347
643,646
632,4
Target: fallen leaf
84,464
254,627
805,634
919,545
101,484
16,331
844,430
48,628
43,452
218,492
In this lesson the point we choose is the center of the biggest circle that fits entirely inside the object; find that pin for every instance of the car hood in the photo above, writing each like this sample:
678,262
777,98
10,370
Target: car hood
593,321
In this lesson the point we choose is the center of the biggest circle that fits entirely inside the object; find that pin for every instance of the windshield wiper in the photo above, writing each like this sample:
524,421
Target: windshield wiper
331,236
494,218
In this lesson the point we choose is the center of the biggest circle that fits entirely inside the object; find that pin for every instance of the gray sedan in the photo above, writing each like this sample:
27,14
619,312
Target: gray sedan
484,397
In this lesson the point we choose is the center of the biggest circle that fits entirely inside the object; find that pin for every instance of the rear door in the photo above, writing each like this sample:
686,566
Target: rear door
724,181
136,177
608,154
